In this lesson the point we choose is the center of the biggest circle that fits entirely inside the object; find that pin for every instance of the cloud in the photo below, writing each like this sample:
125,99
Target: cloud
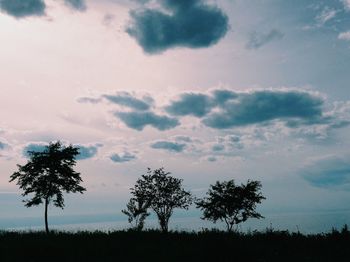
262,106
85,152
326,15
218,148
212,159
344,36
190,104
346,4
34,147
23,8
224,109
198,105
185,139
220,96
169,146
189,23
127,100
123,157
139,120
328,172
90,100
3,145
121,98
257,40
79,5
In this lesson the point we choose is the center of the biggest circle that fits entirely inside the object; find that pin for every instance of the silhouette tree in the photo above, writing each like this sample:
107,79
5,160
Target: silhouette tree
136,210
162,193
47,175
231,203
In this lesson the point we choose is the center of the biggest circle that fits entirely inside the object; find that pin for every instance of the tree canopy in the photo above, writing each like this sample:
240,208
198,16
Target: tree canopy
231,203
162,193
136,210
47,175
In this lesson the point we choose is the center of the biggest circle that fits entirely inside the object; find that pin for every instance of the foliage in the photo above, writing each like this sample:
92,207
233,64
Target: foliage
163,193
174,246
136,210
231,203
47,175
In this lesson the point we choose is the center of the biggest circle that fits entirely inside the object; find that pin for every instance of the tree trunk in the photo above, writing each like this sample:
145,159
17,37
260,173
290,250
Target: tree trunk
163,222
46,222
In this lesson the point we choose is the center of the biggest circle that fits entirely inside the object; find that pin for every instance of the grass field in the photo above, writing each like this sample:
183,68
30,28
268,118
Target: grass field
174,246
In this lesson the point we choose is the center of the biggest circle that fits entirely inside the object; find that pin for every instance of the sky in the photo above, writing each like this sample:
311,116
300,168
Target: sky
210,90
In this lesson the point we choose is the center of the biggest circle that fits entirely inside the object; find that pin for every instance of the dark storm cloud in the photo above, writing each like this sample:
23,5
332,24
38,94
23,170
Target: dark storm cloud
127,100
169,146
331,172
139,120
190,23
23,8
257,40
262,106
85,152
190,104
122,158
79,5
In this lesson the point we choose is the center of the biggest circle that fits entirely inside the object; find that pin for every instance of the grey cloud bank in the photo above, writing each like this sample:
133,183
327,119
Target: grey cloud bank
329,172
191,23
240,109
226,109
262,106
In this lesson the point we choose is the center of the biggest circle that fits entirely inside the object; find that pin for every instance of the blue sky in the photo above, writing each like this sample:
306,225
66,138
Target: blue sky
211,90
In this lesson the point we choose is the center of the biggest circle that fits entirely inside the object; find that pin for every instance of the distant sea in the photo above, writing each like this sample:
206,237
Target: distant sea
305,222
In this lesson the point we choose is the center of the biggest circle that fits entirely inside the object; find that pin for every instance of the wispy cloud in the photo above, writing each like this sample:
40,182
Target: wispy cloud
257,40
326,15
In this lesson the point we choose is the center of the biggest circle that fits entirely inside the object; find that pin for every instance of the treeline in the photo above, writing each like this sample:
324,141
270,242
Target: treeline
153,245
49,174
160,192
